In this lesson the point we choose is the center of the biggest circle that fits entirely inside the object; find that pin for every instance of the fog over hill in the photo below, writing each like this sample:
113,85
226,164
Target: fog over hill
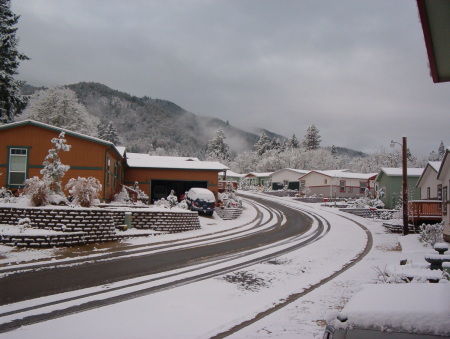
158,126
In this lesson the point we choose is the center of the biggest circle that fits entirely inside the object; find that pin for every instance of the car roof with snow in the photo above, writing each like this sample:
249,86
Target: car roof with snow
201,193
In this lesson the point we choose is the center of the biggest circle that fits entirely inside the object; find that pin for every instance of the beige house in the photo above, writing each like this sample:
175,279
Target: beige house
337,184
430,187
287,177
444,177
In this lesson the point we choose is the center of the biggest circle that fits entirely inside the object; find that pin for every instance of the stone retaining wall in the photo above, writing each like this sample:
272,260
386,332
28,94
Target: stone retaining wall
27,240
164,221
81,226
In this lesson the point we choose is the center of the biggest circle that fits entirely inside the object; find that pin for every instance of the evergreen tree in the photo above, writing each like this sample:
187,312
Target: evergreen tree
275,144
263,144
217,148
293,142
441,152
312,139
109,133
333,151
11,103
433,156
59,106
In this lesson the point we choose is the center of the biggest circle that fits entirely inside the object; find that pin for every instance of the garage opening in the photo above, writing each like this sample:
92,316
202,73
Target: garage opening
161,188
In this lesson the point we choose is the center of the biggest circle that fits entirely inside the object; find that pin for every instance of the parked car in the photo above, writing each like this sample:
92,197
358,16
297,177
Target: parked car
394,311
201,200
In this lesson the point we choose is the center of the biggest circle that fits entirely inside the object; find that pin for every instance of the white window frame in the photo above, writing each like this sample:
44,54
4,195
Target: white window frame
23,154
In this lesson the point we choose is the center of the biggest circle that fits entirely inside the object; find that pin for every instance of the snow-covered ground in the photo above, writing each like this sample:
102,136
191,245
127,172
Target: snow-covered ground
211,306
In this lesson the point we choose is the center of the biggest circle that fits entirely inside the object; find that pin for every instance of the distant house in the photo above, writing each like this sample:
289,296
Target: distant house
256,179
389,180
25,144
158,175
337,183
430,187
287,177
231,176
444,178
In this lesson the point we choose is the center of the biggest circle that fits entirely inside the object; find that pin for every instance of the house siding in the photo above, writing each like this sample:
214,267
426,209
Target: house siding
86,158
392,187
144,176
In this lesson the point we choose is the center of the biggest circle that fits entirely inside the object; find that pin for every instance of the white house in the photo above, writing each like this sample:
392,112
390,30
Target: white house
428,183
256,179
337,183
287,177
444,178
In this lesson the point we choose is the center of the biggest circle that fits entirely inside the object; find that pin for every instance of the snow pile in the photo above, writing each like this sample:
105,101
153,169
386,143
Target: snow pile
415,308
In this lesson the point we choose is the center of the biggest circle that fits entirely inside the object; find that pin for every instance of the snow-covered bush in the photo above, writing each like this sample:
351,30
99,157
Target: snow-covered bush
141,195
54,170
122,196
183,204
162,203
38,191
431,234
84,191
24,224
172,199
6,196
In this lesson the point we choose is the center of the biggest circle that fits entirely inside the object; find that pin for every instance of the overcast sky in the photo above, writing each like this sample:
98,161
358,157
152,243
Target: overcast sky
358,69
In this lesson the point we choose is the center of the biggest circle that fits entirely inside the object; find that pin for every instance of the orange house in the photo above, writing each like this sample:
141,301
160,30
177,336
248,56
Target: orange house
158,175
25,144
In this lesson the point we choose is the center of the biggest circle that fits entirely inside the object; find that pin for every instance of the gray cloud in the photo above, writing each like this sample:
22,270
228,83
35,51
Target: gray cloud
357,69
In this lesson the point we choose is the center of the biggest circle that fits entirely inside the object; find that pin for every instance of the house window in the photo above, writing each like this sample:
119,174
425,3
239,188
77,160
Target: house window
362,187
286,183
428,193
342,186
444,201
325,181
108,173
18,159
439,192
262,182
116,171
350,189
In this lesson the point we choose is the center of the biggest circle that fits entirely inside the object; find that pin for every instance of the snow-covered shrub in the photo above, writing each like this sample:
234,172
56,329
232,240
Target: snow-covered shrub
183,204
162,203
84,191
141,195
38,191
24,224
431,234
122,196
54,170
6,196
172,199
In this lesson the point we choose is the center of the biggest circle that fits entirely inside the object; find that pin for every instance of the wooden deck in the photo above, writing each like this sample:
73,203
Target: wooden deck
425,210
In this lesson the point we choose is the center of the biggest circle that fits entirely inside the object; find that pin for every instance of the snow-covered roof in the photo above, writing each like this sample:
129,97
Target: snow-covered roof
141,160
435,165
345,174
398,172
260,174
58,129
299,171
232,174
121,150
413,308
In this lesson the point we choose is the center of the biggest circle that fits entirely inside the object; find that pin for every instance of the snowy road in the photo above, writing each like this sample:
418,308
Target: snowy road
273,254
280,236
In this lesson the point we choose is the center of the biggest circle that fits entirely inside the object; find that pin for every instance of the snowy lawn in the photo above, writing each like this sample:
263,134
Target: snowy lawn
208,307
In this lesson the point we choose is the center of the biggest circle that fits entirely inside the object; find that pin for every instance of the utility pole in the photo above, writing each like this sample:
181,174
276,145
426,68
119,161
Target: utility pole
405,187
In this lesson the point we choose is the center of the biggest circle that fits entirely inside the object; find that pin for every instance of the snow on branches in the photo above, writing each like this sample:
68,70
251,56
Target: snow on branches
84,191
54,170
